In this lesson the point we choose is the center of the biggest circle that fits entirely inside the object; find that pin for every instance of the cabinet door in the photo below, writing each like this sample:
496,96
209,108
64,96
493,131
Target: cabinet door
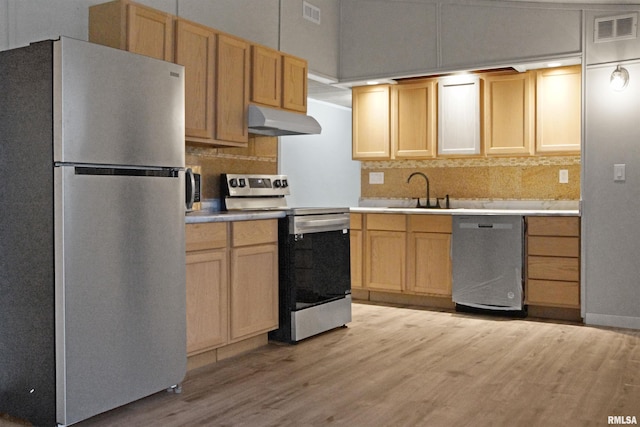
385,260
558,93
459,115
414,120
232,98
195,50
266,76
254,290
294,84
355,237
553,293
356,245
150,32
509,114
207,312
429,263
370,110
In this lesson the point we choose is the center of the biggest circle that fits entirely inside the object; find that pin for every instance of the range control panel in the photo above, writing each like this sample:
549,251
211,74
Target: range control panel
240,185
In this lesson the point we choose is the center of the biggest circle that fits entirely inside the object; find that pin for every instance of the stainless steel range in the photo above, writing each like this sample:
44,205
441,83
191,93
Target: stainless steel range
314,256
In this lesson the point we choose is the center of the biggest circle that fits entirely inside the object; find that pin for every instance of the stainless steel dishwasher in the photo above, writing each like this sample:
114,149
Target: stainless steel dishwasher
487,253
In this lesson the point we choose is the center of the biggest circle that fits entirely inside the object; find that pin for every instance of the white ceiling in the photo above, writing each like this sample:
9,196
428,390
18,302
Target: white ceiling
328,93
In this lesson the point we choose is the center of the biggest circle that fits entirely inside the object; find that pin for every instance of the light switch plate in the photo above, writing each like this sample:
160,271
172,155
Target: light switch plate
619,172
376,177
563,177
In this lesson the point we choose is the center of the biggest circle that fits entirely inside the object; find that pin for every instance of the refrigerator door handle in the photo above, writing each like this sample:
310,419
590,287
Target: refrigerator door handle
125,171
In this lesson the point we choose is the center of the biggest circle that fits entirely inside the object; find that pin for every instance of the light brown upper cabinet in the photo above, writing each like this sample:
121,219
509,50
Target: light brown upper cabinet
278,80
217,68
395,121
558,110
413,120
216,84
232,97
509,114
459,115
196,49
371,108
133,27
266,76
294,83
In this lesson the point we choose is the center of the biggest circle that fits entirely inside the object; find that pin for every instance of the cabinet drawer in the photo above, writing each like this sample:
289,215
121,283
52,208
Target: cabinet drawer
430,223
553,226
554,246
390,222
245,233
356,221
546,292
210,235
553,268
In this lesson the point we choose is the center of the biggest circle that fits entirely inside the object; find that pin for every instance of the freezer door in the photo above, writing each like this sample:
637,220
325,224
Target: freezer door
120,288
115,107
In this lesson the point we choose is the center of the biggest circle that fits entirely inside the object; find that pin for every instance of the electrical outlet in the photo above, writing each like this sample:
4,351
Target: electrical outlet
376,177
563,176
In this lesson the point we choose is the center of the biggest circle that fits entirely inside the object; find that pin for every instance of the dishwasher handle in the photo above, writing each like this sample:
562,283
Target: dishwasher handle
486,225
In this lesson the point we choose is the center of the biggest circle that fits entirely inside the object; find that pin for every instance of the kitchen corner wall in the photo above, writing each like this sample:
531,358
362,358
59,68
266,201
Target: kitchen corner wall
512,178
260,156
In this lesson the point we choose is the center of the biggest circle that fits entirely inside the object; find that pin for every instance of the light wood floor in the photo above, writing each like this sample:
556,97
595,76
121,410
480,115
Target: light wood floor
412,367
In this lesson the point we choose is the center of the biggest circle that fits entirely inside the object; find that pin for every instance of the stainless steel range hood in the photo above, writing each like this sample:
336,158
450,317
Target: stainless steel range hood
272,122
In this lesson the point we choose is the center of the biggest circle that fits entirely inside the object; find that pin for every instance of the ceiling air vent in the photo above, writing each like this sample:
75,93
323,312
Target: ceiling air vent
311,12
614,28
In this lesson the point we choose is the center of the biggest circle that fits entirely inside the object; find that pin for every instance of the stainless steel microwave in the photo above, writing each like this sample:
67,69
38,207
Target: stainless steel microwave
192,190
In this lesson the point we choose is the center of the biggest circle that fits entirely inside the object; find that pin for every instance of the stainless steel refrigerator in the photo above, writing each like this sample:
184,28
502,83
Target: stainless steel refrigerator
92,255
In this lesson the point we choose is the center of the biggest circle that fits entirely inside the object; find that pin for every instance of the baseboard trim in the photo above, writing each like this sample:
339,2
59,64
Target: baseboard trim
612,321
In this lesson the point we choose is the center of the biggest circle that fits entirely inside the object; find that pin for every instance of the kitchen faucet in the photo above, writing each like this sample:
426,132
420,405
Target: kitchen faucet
428,205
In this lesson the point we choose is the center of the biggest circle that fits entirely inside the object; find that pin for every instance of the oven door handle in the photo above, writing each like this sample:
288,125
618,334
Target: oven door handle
300,225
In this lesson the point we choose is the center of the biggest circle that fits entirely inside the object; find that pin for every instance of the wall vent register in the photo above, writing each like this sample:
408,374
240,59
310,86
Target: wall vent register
614,28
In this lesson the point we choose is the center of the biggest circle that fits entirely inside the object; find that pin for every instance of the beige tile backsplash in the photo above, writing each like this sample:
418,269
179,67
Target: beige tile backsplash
508,178
260,156
513,178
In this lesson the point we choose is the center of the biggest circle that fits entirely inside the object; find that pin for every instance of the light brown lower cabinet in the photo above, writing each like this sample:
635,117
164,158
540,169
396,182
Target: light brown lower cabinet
409,254
232,283
356,247
553,261
429,255
385,252
207,299
254,290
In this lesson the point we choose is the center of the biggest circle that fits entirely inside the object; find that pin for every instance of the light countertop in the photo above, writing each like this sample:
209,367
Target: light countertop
473,207
468,211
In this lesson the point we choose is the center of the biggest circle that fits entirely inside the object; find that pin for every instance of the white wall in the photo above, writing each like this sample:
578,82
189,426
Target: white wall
610,210
255,20
319,167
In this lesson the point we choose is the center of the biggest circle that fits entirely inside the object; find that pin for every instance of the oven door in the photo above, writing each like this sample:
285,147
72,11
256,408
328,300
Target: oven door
317,268
315,276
